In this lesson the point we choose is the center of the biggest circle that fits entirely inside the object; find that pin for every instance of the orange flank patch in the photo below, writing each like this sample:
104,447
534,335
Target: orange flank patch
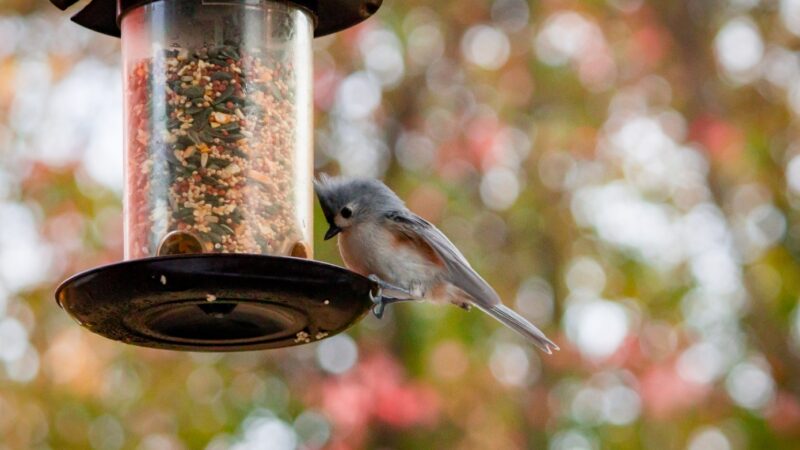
405,240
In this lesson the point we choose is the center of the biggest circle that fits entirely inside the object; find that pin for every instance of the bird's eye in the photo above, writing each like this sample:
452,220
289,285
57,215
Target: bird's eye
346,212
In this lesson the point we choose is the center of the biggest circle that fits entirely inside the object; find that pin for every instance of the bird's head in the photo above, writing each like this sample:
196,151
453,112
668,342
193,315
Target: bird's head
350,201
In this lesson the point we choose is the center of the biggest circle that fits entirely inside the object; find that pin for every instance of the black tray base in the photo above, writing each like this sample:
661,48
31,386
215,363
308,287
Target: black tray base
217,302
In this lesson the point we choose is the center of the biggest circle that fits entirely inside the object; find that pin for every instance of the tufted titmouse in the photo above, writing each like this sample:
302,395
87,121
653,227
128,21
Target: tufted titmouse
409,258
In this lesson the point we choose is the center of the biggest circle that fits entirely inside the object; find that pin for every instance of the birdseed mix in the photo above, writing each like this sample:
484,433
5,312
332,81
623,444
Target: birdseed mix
210,154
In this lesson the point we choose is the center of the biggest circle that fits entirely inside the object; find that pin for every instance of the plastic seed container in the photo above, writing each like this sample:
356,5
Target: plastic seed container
218,123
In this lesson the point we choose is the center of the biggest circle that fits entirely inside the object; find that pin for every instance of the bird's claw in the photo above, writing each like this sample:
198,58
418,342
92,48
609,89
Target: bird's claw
379,300
378,304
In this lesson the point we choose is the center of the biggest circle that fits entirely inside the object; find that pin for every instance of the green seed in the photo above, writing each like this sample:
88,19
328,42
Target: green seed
194,137
221,75
225,95
192,92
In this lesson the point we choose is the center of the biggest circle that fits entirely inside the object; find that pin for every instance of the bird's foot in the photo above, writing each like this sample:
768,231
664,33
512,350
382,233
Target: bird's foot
396,291
379,301
378,304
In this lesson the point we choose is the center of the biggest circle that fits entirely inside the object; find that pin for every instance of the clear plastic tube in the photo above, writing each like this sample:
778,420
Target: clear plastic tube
218,134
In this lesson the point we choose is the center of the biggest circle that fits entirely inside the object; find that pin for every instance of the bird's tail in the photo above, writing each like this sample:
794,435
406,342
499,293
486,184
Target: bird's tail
511,319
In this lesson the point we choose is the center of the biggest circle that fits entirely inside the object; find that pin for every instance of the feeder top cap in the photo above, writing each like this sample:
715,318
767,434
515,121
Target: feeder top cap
331,15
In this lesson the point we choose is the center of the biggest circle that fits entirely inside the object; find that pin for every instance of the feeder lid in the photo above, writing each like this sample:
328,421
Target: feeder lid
217,302
331,15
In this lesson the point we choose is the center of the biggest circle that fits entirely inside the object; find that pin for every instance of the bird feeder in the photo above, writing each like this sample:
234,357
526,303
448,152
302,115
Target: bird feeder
218,171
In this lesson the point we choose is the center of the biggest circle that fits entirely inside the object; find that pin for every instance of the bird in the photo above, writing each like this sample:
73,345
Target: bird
405,255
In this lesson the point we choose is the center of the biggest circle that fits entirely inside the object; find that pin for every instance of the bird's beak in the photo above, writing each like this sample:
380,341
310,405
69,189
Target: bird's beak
332,231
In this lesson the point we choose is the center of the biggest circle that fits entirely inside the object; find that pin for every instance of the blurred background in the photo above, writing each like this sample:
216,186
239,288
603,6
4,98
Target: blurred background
626,173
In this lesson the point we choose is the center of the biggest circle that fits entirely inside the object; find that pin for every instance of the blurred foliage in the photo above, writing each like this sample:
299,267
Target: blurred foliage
626,173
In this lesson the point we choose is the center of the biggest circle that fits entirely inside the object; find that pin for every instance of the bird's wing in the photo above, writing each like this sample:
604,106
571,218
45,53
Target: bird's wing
458,270
460,273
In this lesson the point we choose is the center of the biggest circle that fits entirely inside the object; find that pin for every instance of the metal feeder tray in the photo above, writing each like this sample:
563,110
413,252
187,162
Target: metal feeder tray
217,302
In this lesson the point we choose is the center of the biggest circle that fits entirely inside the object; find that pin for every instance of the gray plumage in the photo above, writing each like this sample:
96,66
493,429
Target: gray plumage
379,236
